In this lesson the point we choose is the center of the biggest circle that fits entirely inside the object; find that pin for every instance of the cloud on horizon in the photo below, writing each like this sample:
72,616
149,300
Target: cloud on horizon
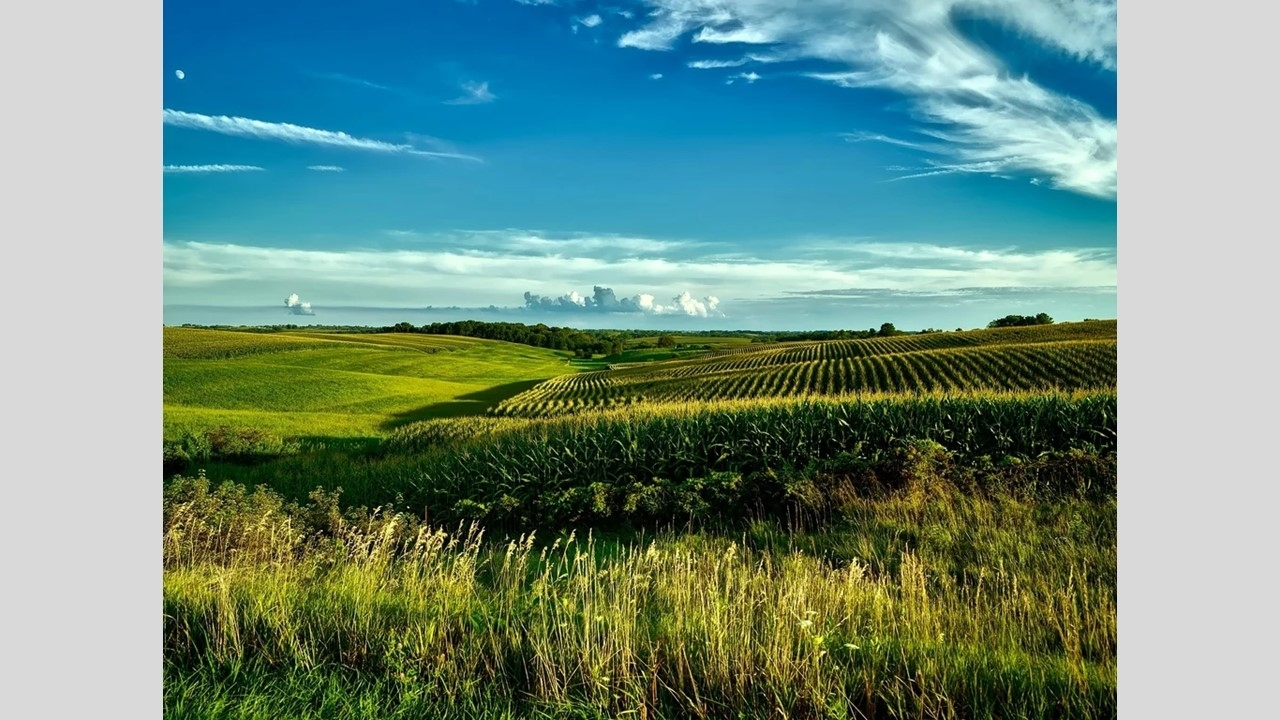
604,300
297,307
294,134
481,268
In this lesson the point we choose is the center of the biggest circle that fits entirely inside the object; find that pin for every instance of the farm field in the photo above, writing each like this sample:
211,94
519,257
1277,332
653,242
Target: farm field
1068,356
405,525
306,384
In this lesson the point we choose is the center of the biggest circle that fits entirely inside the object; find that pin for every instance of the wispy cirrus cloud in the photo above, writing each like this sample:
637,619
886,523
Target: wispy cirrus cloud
474,93
878,137
351,80
326,168
714,64
589,21
295,134
212,168
984,118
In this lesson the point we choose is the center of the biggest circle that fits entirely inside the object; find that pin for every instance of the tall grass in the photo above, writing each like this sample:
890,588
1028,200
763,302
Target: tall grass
925,603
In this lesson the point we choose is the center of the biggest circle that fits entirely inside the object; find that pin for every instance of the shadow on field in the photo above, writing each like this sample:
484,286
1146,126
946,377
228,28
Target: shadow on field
475,403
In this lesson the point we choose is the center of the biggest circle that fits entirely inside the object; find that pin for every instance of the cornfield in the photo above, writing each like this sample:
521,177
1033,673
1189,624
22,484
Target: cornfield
913,364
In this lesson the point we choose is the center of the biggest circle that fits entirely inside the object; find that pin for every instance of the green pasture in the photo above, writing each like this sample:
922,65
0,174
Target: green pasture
338,384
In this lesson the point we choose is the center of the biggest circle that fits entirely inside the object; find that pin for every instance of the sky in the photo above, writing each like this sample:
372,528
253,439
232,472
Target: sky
690,164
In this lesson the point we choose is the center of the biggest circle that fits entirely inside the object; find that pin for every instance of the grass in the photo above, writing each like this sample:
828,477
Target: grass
924,602
335,384
356,533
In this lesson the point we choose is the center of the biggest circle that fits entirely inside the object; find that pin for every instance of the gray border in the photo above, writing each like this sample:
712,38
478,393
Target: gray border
82,289
1193,304
82,284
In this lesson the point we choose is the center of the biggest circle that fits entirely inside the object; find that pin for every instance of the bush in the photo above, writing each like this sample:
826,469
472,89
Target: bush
224,444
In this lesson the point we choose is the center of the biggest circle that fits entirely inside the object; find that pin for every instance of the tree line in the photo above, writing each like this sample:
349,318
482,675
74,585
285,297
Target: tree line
588,343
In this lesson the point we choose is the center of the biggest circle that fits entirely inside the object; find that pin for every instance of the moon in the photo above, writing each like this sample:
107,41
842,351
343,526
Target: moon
180,74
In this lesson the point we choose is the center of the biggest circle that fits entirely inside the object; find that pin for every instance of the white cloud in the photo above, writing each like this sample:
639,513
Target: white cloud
656,76
713,64
296,306
877,137
348,79
295,134
750,77
326,168
746,35
498,267
533,243
987,119
211,168
473,94
589,21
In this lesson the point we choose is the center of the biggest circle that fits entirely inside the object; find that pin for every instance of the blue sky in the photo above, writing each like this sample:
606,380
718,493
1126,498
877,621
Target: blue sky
715,163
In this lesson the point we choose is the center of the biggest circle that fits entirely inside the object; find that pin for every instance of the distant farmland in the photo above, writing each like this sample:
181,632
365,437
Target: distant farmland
1074,356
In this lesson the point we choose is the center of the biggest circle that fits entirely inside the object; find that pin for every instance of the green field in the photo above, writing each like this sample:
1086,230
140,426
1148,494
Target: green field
1066,357
302,384
914,526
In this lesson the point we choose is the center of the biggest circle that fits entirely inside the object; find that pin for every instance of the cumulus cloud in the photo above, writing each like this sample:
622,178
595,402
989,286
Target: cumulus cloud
211,168
983,117
293,134
474,93
656,76
590,21
297,307
604,300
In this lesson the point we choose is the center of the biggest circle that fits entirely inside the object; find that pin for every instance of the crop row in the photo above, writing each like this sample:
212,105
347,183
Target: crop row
788,353
1062,365
542,469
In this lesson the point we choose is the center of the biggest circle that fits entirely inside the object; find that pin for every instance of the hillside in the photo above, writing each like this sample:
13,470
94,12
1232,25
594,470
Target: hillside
1066,356
309,384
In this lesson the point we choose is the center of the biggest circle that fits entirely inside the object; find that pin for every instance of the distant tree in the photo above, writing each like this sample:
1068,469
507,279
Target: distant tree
666,341
887,329
1021,321
959,329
